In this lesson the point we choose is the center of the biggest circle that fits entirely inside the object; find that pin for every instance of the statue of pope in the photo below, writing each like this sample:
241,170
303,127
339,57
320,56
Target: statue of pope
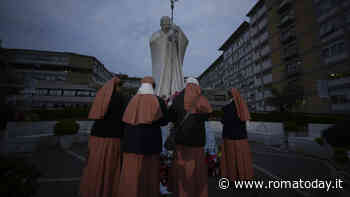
168,47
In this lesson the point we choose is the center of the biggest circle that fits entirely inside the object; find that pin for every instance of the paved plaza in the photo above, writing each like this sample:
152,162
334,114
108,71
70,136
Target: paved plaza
62,170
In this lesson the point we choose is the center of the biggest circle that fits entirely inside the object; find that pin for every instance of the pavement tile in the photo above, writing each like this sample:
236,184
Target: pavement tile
55,163
67,189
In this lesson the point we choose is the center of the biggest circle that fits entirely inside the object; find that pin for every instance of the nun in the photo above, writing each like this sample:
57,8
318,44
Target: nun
104,151
189,174
144,116
236,160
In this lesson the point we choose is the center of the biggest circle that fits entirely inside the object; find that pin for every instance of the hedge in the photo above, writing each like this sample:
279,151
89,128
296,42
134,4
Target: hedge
298,119
58,114
66,127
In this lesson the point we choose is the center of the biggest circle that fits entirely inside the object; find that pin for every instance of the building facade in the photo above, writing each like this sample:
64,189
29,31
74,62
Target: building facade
244,65
333,19
261,54
292,42
130,84
55,79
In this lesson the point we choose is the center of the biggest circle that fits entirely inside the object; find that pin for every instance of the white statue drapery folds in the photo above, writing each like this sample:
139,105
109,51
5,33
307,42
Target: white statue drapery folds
168,47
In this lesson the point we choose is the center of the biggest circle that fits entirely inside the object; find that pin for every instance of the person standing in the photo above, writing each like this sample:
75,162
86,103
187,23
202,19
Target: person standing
6,115
104,153
190,171
144,116
236,160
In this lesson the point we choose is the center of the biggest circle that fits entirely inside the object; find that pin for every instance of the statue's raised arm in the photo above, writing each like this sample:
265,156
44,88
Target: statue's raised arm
168,47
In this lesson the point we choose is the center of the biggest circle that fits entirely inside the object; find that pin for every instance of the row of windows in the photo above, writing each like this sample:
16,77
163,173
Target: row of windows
60,105
41,76
60,92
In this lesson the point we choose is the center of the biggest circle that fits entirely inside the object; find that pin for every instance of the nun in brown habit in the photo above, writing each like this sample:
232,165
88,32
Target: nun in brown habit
102,170
144,116
189,174
236,161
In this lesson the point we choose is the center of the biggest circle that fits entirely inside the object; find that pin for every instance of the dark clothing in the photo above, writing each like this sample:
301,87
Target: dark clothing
233,127
146,139
112,125
6,115
193,127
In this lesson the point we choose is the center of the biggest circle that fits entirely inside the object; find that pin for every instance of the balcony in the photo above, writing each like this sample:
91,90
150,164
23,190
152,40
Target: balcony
259,96
264,37
265,51
292,70
286,20
267,93
253,31
336,58
331,35
255,43
266,65
288,37
284,5
258,15
267,79
255,56
339,82
262,24
290,52
327,14
341,107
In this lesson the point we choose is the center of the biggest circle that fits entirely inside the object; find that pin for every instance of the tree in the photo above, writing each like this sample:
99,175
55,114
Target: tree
7,78
287,98
284,100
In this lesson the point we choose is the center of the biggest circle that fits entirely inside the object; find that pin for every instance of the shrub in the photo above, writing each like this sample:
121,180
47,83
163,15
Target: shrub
19,178
319,141
290,126
66,127
341,155
338,135
300,119
61,114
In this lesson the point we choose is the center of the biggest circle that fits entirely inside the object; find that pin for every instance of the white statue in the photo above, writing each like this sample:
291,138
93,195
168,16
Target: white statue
168,47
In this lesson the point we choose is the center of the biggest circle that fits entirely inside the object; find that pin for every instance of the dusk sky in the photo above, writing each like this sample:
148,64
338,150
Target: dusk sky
117,32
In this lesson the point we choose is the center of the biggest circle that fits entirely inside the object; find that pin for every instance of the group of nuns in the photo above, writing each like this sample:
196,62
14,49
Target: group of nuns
126,141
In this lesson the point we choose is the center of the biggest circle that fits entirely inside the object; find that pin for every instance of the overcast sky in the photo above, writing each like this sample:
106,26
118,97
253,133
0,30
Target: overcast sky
117,32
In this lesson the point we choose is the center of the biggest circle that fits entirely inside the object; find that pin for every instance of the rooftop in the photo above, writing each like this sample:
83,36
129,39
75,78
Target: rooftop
240,30
256,7
217,61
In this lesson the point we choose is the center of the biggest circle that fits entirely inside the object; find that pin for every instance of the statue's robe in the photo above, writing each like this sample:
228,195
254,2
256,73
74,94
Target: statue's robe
167,61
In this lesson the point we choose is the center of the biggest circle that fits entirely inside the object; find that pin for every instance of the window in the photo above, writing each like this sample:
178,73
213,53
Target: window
340,47
339,99
330,26
325,53
324,6
83,93
54,92
42,92
347,18
334,49
69,93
